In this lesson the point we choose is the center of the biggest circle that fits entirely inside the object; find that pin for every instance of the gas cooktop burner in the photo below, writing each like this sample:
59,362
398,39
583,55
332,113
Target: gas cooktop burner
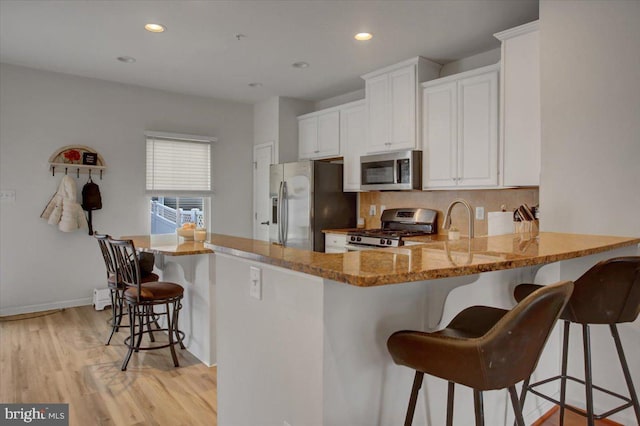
396,224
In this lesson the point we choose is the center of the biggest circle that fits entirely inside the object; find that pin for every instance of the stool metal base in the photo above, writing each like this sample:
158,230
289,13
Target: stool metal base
631,401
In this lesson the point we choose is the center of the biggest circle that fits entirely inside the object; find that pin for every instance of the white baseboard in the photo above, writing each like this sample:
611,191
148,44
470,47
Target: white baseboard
624,417
17,310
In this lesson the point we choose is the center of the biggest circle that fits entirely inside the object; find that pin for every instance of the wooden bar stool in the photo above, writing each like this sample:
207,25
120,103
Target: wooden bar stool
608,293
116,287
141,299
483,348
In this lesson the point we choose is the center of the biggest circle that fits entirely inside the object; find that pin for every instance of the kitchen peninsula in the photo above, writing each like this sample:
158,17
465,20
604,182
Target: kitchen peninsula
309,347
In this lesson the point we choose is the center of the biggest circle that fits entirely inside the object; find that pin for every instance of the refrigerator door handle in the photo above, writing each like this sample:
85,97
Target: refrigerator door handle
285,214
279,215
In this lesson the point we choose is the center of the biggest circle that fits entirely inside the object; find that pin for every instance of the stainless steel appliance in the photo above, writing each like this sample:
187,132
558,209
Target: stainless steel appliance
396,225
306,197
393,171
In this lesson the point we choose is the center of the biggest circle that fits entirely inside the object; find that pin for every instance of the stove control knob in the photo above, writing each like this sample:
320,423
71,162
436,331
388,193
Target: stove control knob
358,239
353,238
381,241
388,242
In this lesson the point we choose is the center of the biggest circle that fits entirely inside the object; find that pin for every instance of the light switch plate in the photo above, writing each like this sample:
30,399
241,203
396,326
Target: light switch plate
372,210
479,213
255,283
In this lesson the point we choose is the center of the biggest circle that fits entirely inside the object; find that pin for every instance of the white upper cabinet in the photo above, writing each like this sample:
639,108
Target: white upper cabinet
319,135
392,104
352,138
520,105
460,130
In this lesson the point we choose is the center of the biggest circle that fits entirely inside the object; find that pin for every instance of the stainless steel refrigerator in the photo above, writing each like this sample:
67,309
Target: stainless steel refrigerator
307,197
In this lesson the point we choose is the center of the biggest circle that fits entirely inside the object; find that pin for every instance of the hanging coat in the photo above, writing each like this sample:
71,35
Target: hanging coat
63,209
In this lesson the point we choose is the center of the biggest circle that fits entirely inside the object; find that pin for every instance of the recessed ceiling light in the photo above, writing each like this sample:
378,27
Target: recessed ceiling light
126,59
255,84
300,64
155,28
363,36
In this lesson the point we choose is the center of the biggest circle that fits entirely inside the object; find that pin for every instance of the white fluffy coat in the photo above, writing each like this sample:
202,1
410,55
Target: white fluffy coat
63,209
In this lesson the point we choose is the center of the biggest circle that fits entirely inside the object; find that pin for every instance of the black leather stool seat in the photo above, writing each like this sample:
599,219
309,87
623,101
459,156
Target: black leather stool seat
484,348
608,293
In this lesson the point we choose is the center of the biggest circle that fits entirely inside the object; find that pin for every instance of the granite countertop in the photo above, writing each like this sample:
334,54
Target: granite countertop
169,244
434,259
340,231
429,260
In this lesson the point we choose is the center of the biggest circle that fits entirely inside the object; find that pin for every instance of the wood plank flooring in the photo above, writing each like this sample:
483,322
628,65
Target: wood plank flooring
552,418
61,357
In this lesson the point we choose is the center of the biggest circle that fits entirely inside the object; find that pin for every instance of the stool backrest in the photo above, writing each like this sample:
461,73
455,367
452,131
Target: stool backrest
512,347
608,293
127,263
107,254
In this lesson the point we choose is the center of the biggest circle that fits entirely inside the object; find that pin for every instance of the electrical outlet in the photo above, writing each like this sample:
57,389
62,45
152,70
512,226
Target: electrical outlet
8,196
372,210
480,213
255,283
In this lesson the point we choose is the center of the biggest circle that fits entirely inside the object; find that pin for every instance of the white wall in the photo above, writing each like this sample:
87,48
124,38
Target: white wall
41,267
591,145
479,60
274,119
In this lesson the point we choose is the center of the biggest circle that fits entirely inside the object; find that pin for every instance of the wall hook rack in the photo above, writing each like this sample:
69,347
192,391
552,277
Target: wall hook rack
82,158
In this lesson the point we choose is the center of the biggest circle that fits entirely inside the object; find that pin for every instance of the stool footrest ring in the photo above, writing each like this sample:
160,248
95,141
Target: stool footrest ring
604,415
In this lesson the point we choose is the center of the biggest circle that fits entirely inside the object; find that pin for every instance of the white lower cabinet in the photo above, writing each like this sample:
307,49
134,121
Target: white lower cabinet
335,243
352,142
460,130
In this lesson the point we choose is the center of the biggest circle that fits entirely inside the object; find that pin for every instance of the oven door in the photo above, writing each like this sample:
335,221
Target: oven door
360,247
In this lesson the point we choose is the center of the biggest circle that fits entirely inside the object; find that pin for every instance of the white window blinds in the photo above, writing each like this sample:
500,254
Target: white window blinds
178,163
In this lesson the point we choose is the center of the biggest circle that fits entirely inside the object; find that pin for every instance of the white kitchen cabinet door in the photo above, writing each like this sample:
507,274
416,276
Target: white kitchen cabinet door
478,130
460,130
352,139
307,137
520,138
319,135
328,139
402,114
335,243
377,93
440,133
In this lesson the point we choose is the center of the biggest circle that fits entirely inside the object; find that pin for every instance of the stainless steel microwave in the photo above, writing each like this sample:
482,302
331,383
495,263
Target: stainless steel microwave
393,171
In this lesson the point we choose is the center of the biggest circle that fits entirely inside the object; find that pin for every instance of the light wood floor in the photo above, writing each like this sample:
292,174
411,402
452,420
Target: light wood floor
61,358
570,419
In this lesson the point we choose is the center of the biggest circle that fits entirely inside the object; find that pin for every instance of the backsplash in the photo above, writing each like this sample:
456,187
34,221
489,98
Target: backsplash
490,199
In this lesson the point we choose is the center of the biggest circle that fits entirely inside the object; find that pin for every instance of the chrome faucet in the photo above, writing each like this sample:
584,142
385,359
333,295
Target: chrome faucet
446,223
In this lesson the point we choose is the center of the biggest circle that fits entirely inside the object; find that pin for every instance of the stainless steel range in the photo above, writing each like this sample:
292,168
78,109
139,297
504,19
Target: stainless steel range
396,225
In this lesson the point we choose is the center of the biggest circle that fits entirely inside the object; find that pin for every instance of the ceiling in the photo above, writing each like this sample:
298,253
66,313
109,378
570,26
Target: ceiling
200,54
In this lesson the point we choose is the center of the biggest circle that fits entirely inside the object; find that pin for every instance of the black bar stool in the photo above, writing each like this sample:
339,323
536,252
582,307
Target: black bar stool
141,299
116,287
483,348
608,293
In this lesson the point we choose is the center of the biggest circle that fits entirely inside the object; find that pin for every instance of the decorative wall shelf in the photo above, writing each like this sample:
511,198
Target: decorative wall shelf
80,158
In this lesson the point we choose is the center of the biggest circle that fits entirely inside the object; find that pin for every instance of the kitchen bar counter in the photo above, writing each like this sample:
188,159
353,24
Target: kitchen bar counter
428,260
168,244
326,339
431,260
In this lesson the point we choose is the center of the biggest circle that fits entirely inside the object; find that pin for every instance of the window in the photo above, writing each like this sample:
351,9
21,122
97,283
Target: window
178,180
